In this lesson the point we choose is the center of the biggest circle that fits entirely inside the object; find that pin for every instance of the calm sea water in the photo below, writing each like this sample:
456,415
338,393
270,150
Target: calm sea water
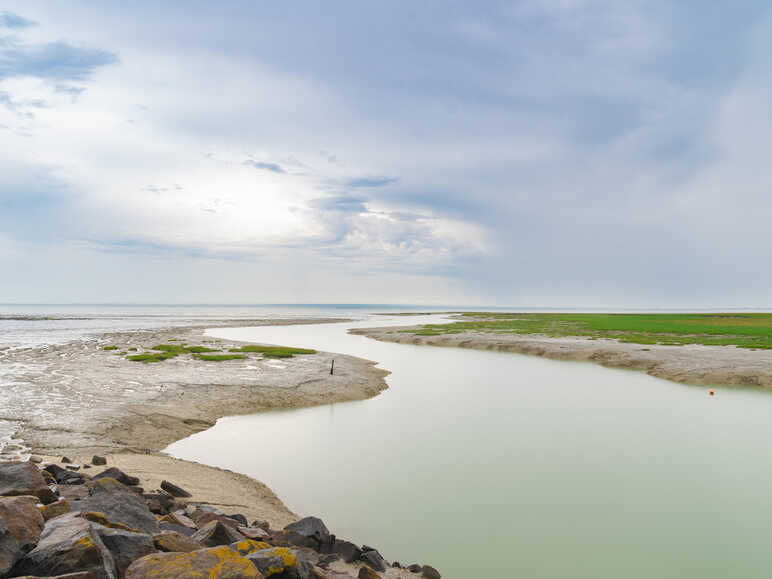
490,464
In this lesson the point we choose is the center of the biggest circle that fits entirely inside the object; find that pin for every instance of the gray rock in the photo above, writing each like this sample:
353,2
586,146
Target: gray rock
242,520
125,546
267,562
182,529
326,560
215,533
414,568
68,544
347,550
24,478
20,526
374,560
64,476
118,475
72,467
430,572
310,527
65,460
175,491
98,460
119,505
367,573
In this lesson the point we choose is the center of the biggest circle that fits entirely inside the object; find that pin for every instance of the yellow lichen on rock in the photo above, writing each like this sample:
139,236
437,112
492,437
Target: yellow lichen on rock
101,519
248,546
214,563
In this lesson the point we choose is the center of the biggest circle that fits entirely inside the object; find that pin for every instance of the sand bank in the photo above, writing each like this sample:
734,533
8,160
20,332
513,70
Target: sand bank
690,364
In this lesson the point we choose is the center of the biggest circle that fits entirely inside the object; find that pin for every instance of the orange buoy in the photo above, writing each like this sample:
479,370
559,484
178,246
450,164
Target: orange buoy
712,392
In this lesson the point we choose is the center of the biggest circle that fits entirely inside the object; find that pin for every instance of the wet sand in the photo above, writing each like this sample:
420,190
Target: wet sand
690,364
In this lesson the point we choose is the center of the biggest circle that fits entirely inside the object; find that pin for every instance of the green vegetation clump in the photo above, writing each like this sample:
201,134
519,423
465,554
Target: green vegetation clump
132,349
273,351
744,330
219,357
108,348
151,357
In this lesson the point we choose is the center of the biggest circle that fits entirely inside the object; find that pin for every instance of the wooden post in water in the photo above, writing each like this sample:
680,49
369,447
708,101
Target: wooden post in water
332,366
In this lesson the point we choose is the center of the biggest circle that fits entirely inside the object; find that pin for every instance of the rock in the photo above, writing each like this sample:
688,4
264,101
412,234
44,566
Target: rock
110,497
159,503
188,532
215,533
265,525
72,467
86,466
65,460
101,519
174,542
68,544
373,559
430,572
253,532
137,490
125,546
202,518
24,478
52,510
247,546
118,475
367,573
73,492
20,526
35,459
78,575
177,519
98,460
310,527
414,568
215,563
242,520
174,490
396,564
274,560
347,550
328,559
63,476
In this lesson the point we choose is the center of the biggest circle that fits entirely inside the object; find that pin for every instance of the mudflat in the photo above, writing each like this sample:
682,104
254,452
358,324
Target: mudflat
689,364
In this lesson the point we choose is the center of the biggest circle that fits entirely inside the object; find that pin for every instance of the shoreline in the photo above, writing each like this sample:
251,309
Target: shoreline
689,364
143,407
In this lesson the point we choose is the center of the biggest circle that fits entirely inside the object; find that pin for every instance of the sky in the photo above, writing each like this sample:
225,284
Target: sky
534,153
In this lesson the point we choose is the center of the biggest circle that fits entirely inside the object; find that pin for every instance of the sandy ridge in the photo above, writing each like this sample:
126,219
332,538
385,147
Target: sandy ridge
690,364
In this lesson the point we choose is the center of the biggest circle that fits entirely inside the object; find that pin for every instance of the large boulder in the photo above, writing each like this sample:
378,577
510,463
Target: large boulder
347,550
214,563
125,546
310,527
20,526
68,544
248,546
119,505
118,475
24,478
373,559
174,542
430,572
216,533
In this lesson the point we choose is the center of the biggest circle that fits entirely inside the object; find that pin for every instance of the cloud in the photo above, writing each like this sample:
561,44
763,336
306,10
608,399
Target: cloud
370,182
11,20
56,61
273,167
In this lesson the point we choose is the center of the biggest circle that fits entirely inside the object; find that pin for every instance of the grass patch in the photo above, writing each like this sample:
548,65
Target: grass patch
744,330
273,351
148,357
132,349
108,348
219,357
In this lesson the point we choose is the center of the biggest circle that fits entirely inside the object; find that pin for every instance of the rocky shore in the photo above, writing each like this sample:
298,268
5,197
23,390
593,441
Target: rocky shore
59,520
688,364
87,397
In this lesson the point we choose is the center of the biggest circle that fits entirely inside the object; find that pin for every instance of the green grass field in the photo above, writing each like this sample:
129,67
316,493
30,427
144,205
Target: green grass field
742,330
163,352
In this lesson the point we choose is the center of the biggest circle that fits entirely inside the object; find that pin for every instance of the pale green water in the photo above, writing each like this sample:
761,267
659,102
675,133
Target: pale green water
489,464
